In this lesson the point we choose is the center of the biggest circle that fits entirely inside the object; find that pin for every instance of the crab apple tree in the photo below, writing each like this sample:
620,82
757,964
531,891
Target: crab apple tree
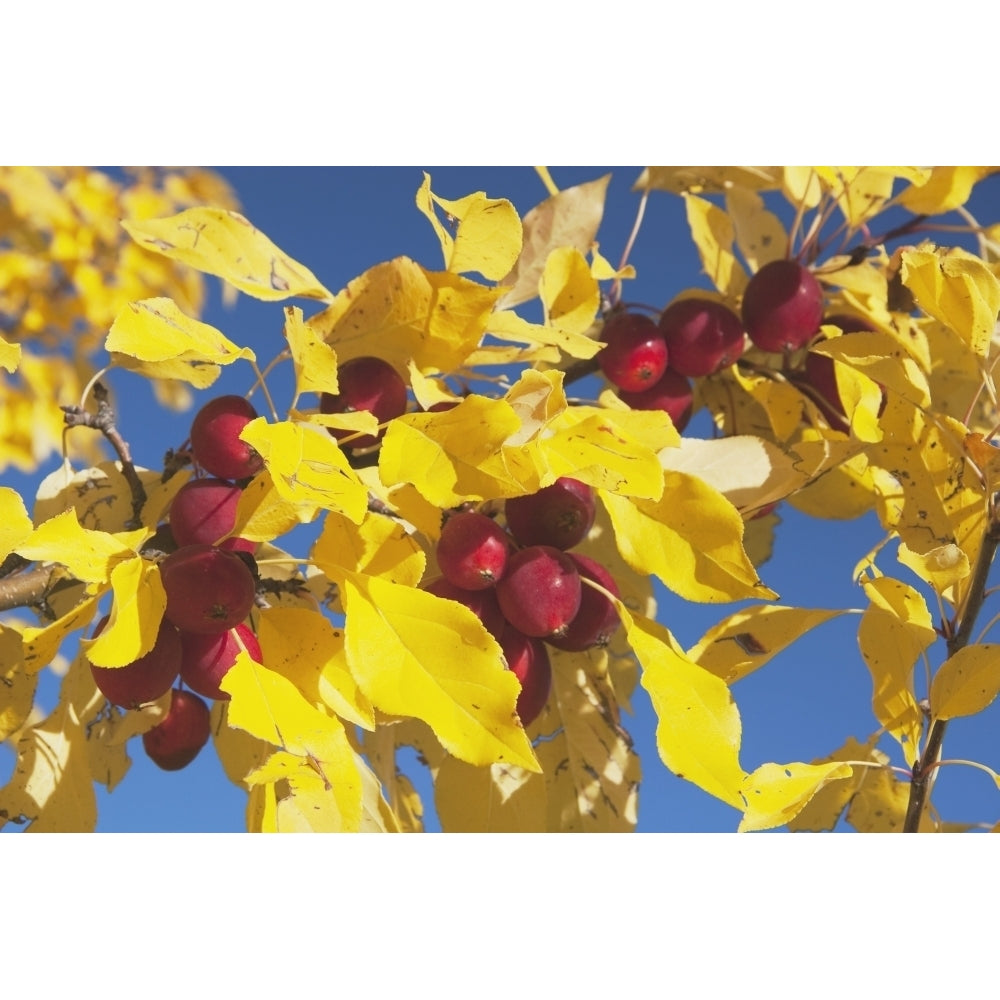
492,539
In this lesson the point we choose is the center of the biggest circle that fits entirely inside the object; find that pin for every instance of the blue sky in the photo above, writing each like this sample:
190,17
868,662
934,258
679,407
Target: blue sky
804,704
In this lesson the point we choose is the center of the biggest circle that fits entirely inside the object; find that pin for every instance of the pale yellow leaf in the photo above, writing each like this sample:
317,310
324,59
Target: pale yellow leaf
776,793
966,682
713,234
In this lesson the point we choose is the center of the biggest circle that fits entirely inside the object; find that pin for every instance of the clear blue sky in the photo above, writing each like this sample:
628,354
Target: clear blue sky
805,703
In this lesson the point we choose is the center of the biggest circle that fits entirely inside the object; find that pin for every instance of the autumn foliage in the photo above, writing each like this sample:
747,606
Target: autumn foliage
479,587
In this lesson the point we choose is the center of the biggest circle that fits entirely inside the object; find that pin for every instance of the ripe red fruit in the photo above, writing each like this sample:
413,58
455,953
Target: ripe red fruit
672,394
208,589
540,592
482,603
203,511
215,438
147,678
782,306
206,658
528,660
185,729
636,353
559,515
702,336
598,618
370,384
472,550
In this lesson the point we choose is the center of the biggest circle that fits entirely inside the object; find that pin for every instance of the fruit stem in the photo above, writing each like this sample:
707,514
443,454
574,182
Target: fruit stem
263,388
616,288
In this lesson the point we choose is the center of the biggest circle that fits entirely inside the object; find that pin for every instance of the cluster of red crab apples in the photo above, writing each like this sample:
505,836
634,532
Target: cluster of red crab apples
651,363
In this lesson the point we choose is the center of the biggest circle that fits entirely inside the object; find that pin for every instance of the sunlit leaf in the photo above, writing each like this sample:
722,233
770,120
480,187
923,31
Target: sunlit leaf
776,793
713,234
15,525
315,361
946,189
967,682
379,546
568,291
10,355
263,513
227,245
509,326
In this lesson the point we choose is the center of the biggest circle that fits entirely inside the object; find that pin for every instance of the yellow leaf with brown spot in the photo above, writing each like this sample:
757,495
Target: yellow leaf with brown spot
777,793
226,244
966,682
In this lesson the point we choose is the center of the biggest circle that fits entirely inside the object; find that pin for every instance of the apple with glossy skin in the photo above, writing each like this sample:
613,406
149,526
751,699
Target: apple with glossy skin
203,511
482,603
215,438
366,383
702,336
179,737
598,619
672,394
528,659
208,589
472,550
540,592
560,515
207,657
148,678
782,306
635,355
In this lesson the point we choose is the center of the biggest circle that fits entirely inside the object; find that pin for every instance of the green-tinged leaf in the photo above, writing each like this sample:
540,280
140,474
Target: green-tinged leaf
698,729
967,682
691,538
487,236
225,244
570,218
777,793
956,288
307,467
153,337
713,234
745,641
414,654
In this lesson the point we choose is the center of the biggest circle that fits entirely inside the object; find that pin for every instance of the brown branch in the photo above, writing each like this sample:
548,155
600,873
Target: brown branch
104,421
920,779
28,589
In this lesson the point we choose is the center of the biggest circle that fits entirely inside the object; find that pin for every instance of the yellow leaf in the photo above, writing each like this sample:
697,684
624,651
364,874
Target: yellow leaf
801,186
570,218
225,244
315,361
15,525
956,288
10,355
488,235
745,641
418,655
944,190
879,805
88,555
263,514
776,793
759,233
691,538
712,180
509,326
713,234
307,467
379,546
500,798
136,613
698,729
943,566
17,685
304,647
154,338
861,192
568,291
967,682
894,630
42,644
239,752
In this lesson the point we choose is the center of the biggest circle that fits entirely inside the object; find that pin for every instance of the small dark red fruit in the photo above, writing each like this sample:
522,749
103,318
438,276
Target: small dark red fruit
472,550
179,737
702,336
597,619
482,603
203,511
528,660
672,394
366,383
208,589
560,514
636,353
540,592
206,658
147,678
782,306
215,438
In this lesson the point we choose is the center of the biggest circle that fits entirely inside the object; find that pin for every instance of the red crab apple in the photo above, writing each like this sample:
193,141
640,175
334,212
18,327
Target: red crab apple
472,550
597,619
782,306
672,394
366,383
206,658
636,353
702,336
184,730
208,589
215,438
560,515
540,592
147,678
203,511
482,603
528,660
